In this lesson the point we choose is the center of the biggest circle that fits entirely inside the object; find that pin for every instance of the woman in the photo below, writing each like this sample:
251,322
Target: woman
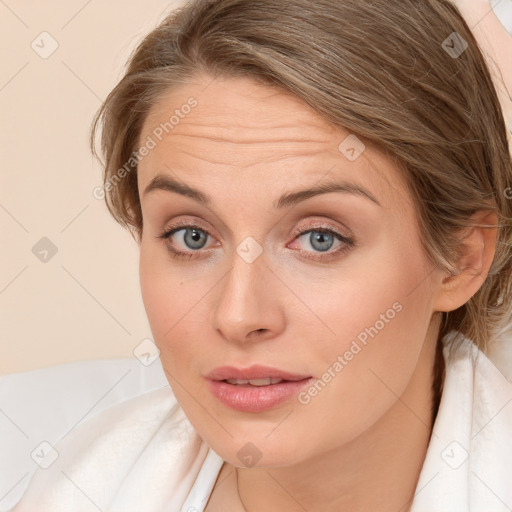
318,189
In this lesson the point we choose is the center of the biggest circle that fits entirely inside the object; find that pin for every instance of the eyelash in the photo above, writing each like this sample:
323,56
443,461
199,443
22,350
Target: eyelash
188,255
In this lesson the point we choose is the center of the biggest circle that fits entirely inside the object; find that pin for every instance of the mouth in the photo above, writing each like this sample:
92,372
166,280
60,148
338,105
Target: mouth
255,382
255,389
255,374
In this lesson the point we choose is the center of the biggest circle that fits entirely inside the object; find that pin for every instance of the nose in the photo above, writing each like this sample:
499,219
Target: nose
247,302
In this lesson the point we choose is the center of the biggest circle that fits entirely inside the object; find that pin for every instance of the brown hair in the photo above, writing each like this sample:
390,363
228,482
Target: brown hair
378,68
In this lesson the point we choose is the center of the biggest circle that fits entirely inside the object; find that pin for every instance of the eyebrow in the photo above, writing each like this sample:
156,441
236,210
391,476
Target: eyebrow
169,184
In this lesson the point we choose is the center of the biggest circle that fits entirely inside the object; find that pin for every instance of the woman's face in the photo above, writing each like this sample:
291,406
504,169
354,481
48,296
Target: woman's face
298,251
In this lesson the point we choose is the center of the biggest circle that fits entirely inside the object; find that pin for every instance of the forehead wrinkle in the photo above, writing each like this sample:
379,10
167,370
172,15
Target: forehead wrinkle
263,159
288,142
230,127
251,140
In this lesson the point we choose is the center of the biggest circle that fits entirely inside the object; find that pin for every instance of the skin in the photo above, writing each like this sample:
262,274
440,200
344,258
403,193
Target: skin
361,442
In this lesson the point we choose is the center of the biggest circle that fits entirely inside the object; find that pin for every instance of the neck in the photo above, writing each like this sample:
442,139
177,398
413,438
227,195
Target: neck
379,470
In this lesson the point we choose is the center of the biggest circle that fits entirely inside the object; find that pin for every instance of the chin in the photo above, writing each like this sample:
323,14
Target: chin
259,452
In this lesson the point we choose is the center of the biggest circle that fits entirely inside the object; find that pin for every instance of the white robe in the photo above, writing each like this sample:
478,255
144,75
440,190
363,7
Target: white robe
144,456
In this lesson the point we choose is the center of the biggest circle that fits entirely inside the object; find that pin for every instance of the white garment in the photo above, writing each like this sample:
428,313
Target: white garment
144,456
468,461
42,406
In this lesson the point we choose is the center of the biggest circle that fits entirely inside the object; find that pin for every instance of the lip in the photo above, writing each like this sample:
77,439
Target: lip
252,372
247,398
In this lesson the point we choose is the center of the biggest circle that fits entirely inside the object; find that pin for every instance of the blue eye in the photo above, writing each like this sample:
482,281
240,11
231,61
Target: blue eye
320,239
194,238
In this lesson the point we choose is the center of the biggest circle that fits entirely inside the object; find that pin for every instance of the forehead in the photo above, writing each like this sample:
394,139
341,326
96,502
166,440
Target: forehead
242,130
227,104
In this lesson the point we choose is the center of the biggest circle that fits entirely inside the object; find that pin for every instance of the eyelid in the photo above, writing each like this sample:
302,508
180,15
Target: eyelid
169,231
182,224
347,242
299,231
320,225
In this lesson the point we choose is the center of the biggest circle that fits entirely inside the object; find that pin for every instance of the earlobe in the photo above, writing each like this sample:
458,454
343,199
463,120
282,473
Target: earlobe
479,246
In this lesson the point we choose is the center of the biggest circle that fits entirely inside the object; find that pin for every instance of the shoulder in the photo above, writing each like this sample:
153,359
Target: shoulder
138,455
470,451
472,372
478,390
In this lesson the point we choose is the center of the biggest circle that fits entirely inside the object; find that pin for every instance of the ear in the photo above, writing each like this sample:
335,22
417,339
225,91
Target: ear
478,246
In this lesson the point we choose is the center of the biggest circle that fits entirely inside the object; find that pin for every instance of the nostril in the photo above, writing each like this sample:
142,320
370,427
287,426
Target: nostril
256,331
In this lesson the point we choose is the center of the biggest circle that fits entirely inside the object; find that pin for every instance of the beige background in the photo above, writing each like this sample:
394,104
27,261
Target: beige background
84,301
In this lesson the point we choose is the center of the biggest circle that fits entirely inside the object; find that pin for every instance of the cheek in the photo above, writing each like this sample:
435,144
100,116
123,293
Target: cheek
173,306
376,294
376,318
157,295
162,292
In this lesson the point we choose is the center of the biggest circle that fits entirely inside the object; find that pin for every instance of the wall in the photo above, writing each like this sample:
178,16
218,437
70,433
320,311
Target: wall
83,302
68,273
